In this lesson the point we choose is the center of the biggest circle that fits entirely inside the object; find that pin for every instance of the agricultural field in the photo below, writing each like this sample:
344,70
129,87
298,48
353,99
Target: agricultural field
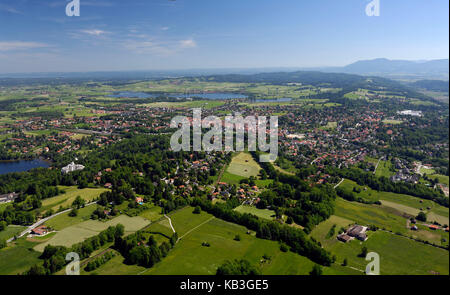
231,178
404,203
393,217
152,214
383,217
220,234
441,178
64,220
18,257
398,255
206,104
392,122
81,231
244,165
385,169
10,231
71,192
261,213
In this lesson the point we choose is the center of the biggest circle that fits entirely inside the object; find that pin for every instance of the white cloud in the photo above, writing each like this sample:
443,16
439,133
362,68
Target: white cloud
189,43
9,9
159,47
94,32
20,45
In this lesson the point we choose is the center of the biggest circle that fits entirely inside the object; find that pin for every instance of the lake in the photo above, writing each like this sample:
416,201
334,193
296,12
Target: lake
284,99
20,166
212,96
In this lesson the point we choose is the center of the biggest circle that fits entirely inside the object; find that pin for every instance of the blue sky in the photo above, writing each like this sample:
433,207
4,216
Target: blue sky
37,36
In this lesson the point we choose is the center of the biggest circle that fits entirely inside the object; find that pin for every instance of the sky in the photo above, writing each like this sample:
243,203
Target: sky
115,35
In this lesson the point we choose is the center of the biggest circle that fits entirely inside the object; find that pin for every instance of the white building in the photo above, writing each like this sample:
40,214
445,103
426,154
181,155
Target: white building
410,113
72,167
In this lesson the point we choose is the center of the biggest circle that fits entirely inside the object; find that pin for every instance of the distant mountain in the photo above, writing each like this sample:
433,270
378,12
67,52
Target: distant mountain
400,69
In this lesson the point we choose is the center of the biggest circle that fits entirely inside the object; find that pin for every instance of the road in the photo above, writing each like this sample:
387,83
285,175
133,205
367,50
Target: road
42,221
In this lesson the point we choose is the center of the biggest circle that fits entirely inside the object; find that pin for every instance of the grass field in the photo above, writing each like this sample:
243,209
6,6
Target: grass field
398,255
190,257
64,220
392,216
441,178
392,122
384,169
404,203
152,214
244,165
329,126
10,231
81,231
424,170
363,214
18,257
263,213
71,192
231,178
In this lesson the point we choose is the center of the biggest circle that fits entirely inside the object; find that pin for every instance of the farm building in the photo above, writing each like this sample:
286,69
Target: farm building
40,230
344,238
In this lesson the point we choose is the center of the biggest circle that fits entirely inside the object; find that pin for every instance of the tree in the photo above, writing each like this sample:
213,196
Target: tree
316,271
345,262
363,252
2,243
197,210
421,217
237,267
36,270
73,213
2,225
237,238
78,202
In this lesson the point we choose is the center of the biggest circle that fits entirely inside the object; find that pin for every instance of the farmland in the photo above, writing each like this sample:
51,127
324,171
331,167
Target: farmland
81,231
244,165
262,213
398,255
65,200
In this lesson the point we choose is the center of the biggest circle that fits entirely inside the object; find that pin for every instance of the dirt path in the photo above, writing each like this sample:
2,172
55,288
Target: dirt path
170,222
342,180
220,175
376,166
191,230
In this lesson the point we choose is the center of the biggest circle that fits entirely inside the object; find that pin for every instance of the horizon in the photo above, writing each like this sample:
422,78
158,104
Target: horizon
157,35
236,69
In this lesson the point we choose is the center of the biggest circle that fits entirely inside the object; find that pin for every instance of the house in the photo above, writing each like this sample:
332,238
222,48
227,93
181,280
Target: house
344,238
40,230
357,231
433,227
108,185
414,227
139,200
